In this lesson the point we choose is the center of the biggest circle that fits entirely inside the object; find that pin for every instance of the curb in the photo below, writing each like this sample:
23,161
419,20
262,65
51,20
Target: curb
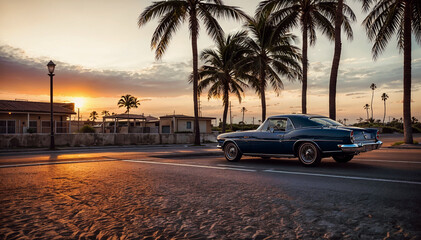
136,147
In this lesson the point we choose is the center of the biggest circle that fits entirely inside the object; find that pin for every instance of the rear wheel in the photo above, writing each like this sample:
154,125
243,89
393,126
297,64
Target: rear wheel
232,153
309,154
343,158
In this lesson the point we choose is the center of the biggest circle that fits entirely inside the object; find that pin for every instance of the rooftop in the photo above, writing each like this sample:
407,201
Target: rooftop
35,107
184,116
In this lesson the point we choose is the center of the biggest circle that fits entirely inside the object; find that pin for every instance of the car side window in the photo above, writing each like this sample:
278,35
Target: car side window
277,125
289,125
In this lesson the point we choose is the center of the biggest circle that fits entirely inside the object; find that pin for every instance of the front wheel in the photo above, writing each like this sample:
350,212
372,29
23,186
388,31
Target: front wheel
309,154
343,158
232,153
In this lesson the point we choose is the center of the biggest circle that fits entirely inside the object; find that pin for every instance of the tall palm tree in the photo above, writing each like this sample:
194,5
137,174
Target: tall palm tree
273,55
243,110
93,116
341,20
221,70
400,17
384,98
309,15
366,107
172,14
373,87
128,101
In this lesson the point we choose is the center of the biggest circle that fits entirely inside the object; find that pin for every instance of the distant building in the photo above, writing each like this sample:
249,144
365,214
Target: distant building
34,117
183,123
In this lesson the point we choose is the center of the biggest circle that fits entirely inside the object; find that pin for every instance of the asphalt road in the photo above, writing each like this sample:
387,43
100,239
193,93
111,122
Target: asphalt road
186,192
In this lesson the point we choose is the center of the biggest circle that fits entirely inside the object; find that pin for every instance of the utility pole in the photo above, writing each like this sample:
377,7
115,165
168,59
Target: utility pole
253,122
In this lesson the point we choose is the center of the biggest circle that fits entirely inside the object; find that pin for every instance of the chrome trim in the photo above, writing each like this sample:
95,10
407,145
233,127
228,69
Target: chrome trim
360,147
269,155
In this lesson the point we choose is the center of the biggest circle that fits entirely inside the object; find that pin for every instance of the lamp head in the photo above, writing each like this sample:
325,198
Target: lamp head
51,66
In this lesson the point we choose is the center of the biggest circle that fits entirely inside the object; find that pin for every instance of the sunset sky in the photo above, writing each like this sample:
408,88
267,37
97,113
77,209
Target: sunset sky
101,54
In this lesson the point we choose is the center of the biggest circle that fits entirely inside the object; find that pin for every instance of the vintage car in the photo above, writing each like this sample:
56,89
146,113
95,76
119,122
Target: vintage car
308,137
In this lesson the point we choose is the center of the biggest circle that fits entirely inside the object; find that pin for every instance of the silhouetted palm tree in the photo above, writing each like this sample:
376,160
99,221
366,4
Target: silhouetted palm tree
93,116
400,17
105,113
273,55
309,15
243,110
221,70
373,87
341,20
366,107
128,101
384,98
172,14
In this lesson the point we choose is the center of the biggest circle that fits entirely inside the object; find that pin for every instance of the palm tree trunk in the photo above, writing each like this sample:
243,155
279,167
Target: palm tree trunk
372,97
367,114
194,32
262,93
384,112
336,60
128,120
407,128
224,116
305,65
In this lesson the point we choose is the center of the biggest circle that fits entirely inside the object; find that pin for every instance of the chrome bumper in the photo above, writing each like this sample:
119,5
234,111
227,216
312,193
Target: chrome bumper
360,147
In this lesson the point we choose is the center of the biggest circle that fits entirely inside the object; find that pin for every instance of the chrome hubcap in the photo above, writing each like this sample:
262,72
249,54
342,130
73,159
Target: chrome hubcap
231,151
308,153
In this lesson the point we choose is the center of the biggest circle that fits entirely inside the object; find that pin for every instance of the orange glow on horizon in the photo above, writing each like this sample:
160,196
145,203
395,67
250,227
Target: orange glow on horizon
79,102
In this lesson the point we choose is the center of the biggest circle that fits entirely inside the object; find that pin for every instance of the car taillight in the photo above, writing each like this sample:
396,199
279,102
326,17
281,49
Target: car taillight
378,135
352,136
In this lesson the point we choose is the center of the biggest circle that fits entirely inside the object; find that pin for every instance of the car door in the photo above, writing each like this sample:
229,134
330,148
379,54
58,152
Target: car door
269,140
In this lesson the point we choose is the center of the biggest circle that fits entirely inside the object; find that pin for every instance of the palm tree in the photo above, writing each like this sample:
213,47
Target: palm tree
221,70
384,98
172,14
105,113
373,87
341,20
366,107
310,15
128,101
93,116
400,17
273,55
243,110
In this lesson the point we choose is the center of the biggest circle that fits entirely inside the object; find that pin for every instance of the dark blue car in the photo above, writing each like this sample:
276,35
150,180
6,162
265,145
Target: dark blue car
308,137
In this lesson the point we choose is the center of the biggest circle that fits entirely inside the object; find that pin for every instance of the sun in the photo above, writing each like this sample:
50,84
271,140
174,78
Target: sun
79,102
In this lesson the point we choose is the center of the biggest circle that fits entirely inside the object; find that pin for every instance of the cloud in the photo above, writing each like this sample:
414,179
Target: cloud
24,75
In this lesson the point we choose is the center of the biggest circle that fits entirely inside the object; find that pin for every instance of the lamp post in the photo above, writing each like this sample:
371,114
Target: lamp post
51,67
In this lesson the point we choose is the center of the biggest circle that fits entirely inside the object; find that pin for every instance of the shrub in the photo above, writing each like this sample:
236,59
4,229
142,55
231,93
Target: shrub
87,129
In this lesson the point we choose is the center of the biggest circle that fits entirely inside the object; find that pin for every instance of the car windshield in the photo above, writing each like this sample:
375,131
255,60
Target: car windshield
326,121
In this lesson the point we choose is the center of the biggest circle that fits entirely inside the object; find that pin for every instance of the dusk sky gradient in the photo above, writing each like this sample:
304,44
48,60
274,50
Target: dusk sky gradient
101,54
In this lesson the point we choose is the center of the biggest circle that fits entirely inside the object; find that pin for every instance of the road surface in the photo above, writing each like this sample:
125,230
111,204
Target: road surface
186,192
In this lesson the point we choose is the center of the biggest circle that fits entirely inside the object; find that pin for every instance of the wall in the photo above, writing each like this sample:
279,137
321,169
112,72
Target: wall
98,139
22,119
182,125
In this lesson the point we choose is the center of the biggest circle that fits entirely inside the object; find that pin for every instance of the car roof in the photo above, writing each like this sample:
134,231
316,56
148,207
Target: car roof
297,116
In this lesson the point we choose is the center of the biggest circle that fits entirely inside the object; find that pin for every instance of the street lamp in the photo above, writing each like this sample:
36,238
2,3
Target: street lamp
51,66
